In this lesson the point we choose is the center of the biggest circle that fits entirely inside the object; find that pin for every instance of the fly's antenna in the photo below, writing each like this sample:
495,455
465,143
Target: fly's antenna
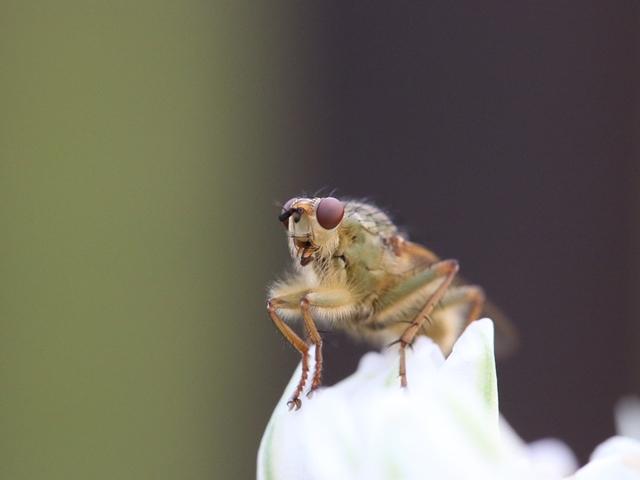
284,216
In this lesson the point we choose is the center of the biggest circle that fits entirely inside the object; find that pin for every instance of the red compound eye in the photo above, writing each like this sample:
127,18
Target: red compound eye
329,212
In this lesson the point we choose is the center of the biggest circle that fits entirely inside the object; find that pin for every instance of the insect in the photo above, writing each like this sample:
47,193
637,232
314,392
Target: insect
355,271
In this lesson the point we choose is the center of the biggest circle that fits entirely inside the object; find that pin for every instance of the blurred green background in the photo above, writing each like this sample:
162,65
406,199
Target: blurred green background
140,146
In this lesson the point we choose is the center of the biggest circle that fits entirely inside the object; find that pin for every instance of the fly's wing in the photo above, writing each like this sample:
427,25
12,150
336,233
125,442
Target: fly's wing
506,335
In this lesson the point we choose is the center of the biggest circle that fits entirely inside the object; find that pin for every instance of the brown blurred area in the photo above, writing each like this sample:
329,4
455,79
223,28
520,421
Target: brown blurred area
144,148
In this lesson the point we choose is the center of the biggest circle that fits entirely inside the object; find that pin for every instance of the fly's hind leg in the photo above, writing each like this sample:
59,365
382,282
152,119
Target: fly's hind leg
443,271
330,303
471,295
459,306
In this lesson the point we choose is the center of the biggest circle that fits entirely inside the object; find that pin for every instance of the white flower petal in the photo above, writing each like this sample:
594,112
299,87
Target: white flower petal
627,416
610,468
617,446
552,457
444,425
473,361
617,458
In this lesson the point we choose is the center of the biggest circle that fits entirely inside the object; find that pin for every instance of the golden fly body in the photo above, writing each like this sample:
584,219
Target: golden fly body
354,271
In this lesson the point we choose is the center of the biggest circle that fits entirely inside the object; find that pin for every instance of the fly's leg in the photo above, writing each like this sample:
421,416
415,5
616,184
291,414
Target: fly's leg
328,303
297,343
446,270
316,340
471,295
459,306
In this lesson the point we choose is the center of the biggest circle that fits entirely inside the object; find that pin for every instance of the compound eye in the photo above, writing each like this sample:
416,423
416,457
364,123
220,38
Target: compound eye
329,212
284,214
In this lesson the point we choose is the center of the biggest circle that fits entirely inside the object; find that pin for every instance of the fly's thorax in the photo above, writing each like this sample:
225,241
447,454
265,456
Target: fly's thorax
358,263
362,248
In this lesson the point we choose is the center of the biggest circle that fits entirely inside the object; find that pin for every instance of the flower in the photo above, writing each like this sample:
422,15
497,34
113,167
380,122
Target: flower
445,425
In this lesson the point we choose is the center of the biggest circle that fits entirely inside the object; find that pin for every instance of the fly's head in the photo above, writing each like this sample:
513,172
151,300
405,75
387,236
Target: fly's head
312,226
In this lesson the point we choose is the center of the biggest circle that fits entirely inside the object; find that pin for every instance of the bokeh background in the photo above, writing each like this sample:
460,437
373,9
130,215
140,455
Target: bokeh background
144,146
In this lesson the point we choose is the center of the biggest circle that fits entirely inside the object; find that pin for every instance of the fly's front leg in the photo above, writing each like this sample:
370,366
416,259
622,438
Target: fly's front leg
316,339
297,343
329,303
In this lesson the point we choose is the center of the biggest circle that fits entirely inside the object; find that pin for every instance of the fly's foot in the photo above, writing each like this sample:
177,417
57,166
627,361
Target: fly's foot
294,403
317,381
317,374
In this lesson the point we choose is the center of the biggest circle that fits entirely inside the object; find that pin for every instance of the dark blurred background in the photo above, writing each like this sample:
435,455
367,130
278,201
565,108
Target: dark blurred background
504,134
143,148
